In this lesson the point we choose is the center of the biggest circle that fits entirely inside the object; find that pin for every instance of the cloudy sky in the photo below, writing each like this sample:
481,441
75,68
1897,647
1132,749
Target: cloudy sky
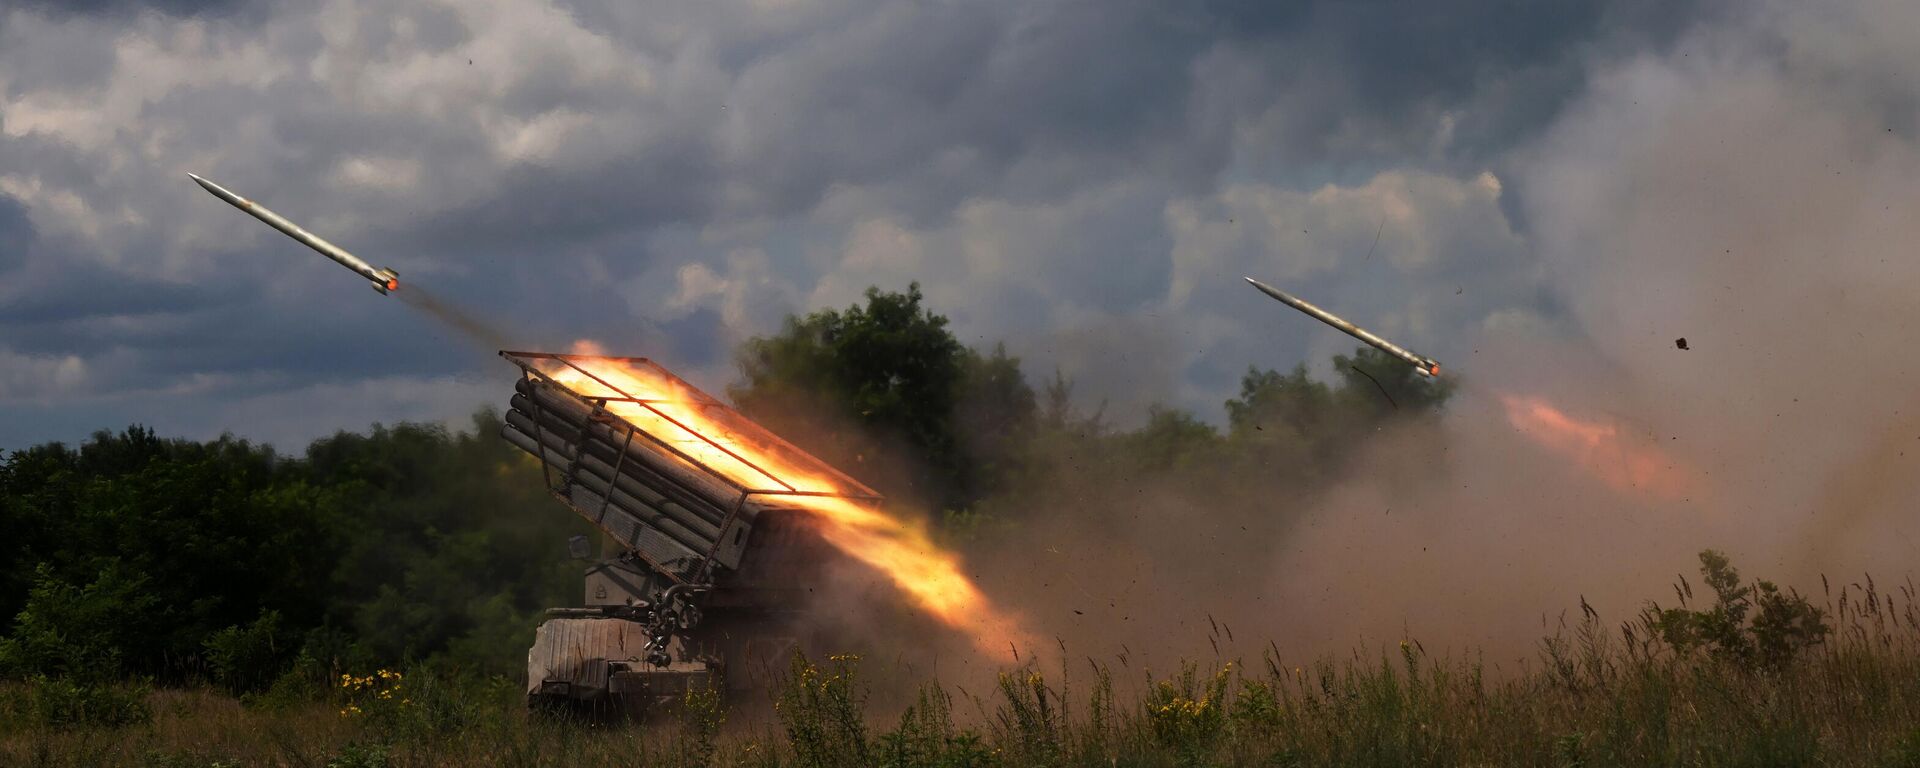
1085,180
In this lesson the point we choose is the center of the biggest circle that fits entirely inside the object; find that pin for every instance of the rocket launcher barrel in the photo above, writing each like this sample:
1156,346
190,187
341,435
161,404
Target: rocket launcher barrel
1426,366
383,279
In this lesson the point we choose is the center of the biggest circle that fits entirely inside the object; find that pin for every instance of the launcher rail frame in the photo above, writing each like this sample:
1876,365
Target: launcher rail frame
530,364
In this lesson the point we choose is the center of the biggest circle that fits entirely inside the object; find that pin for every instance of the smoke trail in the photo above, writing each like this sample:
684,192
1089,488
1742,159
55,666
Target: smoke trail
458,318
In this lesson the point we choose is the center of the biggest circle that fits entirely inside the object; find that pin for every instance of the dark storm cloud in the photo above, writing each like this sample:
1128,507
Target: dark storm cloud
82,292
1334,83
64,8
534,164
16,233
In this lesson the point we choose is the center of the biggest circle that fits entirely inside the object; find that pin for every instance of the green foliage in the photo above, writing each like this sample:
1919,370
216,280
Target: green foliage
701,714
305,681
823,710
61,702
68,644
424,702
79,632
250,658
1029,723
1188,715
885,391
1385,385
222,560
1782,624
1291,420
362,755
1599,698
1171,441
927,736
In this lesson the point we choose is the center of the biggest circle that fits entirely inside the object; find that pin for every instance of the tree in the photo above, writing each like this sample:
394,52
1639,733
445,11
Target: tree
172,558
1294,420
1784,624
994,418
1388,384
887,393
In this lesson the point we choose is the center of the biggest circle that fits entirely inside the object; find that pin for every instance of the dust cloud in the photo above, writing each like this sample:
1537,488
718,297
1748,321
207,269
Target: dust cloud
1753,190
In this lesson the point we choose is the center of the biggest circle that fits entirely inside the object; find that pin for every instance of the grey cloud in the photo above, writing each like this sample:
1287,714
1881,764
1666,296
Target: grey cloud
1358,86
557,182
16,234
59,8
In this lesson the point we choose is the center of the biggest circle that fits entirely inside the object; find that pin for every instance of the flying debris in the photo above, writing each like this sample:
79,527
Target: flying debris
1427,366
383,280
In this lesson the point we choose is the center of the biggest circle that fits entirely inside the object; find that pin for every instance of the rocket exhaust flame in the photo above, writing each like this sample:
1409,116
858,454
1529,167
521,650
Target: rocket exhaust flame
898,549
1600,448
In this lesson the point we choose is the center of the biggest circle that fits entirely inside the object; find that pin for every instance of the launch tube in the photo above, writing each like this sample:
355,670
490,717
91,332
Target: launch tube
711,487
696,531
601,456
664,540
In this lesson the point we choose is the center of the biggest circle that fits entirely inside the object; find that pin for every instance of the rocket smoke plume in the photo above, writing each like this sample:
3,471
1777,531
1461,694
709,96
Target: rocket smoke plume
459,319
1751,189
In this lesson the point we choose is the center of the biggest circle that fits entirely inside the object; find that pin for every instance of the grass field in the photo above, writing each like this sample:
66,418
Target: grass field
1677,687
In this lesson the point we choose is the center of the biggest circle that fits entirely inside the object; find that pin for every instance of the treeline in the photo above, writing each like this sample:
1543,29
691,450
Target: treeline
887,392
174,560
133,555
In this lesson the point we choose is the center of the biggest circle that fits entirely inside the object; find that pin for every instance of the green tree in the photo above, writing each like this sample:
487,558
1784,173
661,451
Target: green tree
417,540
1171,440
1295,422
994,419
1755,625
1385,385
885,391
80,632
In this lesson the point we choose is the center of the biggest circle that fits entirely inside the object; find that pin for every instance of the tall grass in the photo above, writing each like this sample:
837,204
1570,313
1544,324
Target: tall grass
1599,695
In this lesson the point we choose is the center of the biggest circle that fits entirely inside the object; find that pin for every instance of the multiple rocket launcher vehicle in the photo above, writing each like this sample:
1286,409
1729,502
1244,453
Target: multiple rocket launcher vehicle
704,576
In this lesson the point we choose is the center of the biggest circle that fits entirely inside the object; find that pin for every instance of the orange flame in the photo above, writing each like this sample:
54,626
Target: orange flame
1601,449
898,549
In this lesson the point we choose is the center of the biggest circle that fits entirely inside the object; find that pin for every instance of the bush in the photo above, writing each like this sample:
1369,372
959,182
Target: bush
250,658
57,702
361,756
1785,625
78,632
1188,715
926,736
823,711
1030,720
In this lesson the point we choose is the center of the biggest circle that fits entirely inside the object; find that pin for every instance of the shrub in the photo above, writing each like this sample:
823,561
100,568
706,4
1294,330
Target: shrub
1785,625
81,632
59,702
1030,722
822,708
926,736
1188,715
250,658
359,755
701,714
